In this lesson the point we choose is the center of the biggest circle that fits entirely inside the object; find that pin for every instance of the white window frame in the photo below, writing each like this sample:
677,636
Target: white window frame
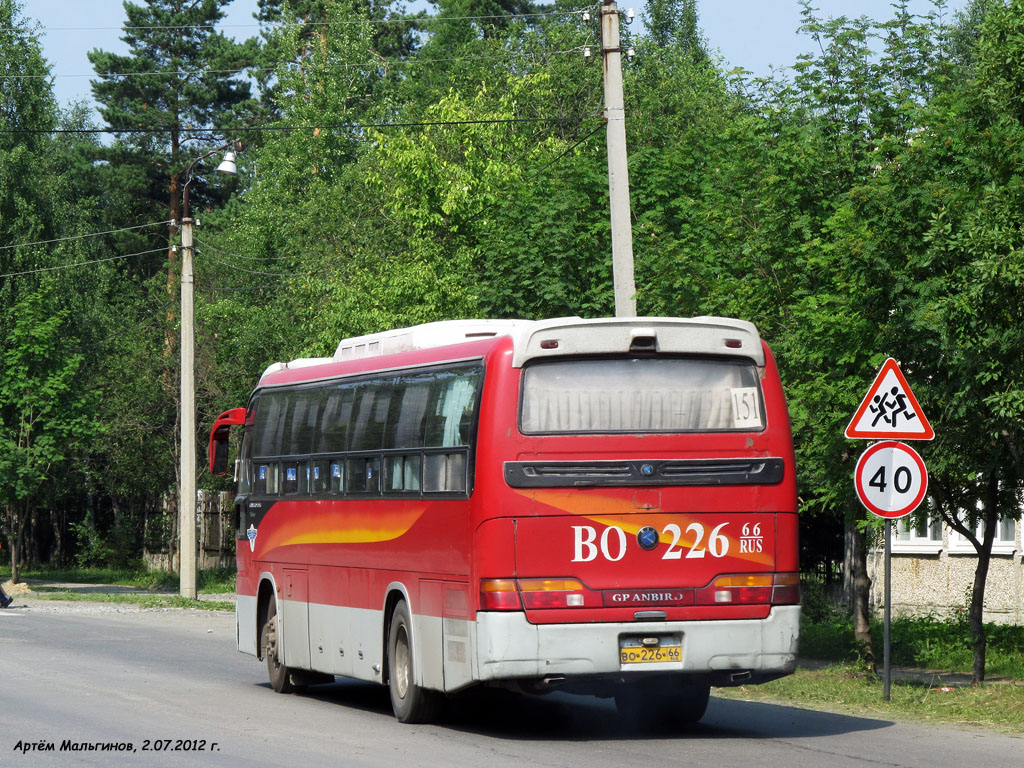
961,545
915,542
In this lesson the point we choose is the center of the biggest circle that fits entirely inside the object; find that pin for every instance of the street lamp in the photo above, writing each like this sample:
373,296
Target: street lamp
187,483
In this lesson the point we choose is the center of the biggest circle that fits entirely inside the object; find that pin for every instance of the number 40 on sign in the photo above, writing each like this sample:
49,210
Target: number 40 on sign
891,479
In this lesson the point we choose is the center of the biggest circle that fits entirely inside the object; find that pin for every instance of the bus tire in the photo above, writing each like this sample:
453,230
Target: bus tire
410,702
280,676
659,703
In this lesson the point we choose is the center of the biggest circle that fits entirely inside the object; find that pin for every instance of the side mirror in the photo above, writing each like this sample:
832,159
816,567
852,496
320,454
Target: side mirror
218,451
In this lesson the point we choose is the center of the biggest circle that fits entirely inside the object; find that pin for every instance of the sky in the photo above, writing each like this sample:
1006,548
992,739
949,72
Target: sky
753,34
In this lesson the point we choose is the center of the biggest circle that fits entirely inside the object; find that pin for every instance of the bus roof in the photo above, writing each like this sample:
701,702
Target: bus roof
558,336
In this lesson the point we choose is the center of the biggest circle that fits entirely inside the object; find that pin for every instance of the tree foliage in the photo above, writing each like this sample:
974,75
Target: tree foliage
45,420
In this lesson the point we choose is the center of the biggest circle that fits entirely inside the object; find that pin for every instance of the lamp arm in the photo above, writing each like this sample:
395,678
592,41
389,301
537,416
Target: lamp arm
188,174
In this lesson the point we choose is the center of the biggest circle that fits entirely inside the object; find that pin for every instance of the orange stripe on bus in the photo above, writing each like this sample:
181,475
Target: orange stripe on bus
303,526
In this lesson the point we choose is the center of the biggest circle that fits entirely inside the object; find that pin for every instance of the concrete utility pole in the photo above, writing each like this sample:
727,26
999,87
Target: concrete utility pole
618,169
187,469
187,494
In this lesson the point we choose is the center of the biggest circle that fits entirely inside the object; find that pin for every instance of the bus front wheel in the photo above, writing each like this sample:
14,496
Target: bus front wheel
411,703
279,674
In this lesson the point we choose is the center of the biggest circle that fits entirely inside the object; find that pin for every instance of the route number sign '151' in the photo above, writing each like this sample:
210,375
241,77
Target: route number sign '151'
891,479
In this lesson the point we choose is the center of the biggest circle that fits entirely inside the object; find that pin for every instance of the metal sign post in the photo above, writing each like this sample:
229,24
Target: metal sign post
891,482
887,622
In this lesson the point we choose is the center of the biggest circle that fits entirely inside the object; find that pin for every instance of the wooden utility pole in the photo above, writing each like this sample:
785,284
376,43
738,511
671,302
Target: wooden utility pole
618,169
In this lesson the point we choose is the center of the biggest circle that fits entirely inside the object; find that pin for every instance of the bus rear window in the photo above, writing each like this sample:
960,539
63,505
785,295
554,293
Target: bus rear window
640,395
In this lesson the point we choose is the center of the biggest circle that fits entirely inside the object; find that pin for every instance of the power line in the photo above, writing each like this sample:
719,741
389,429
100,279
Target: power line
256,129
81,237
214,288
298,273
221,251
543,168
283,24
372,63
259,272
83,263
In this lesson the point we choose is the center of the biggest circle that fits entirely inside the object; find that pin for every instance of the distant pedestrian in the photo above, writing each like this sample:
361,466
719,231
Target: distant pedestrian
5,599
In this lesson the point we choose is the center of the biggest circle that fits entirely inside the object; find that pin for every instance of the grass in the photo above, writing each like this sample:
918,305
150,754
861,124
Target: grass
143,600
924,642
843,688
155,589
208,582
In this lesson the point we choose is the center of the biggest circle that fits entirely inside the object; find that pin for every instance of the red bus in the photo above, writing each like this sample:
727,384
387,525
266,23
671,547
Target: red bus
604,507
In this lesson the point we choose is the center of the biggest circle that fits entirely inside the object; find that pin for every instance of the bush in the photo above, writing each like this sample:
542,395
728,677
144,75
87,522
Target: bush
117,547
821,602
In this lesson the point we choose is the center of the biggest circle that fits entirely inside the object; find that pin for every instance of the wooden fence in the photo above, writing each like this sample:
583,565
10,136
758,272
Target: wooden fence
215,535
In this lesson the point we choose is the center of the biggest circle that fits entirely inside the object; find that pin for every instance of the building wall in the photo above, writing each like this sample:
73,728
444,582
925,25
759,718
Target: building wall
935,576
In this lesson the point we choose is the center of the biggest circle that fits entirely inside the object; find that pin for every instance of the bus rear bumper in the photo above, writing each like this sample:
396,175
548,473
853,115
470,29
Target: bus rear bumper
735,652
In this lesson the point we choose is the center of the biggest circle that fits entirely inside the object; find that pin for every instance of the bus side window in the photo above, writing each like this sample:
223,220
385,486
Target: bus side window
363,474
406,427
265,478
294,477
274,479
452,410
300,426
337,481
320,475
269,424
403,473
333,434
245,478
374,401
445,472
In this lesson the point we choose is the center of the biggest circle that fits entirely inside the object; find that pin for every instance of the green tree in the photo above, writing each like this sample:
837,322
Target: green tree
44,417
965,304
180,82
27,113
675,23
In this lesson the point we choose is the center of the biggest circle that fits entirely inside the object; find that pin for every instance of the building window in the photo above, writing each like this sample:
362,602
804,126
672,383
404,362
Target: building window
1004,542
911,534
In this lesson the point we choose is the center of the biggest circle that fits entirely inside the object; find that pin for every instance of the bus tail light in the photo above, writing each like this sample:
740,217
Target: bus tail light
752,589
499,595
513,595
557,593
786,589
737,589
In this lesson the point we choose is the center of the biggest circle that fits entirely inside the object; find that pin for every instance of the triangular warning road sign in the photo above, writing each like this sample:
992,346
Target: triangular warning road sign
890,411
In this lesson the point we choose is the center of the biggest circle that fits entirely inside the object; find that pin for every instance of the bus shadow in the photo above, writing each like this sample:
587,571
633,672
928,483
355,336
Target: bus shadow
560,717
354,694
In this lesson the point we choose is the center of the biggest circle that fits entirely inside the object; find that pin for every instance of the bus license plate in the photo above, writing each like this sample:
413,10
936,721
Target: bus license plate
631,651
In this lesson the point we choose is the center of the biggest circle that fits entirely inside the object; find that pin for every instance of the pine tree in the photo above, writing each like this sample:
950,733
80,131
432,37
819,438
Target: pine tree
179,84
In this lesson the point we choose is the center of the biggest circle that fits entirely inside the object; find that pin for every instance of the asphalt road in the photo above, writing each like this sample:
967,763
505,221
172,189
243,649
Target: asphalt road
93,674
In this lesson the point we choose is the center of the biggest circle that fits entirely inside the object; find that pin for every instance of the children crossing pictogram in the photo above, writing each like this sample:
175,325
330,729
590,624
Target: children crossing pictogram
890,410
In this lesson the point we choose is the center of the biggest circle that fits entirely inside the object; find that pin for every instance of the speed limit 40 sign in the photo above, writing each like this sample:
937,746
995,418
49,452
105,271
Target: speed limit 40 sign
891,479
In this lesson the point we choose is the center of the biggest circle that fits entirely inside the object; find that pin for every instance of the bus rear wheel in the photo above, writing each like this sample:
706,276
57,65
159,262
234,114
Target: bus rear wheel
411,703
280,676
657,703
